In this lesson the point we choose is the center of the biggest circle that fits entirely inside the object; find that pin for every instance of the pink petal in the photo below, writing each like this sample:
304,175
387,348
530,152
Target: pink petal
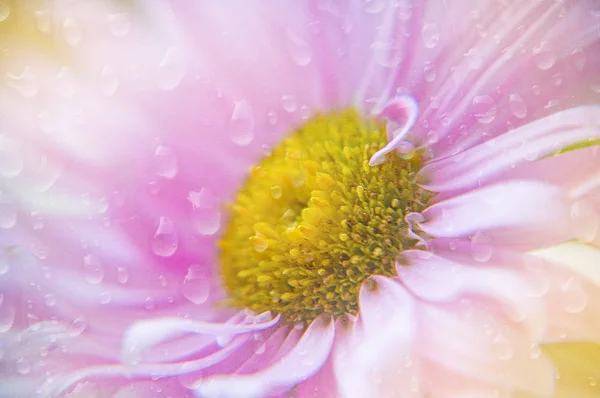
304,360
375,356
531,142
504,65
465,338
524,214
509,292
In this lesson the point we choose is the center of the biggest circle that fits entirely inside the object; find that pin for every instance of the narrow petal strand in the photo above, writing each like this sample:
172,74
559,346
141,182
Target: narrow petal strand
304,360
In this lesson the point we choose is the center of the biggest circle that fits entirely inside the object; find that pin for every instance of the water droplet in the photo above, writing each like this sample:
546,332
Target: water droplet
25,83
8,214
105,297
47,175
272,118
149,304
429,73
65,82
33,321
558,79
118,24
503,348
93,269
260,243
432,137
165,241
517,105
165,162
484,109
77,327
578,59
195,286
474,60
43,20
544,56
299,49
207,221
50,299
374,6
23,366
481,247
587,220
171,70
575,298
122,275
109,80
276,191
241,128
4,10
430,35
72,31
593,382
258,344
7,314
289,103
535,351
11,157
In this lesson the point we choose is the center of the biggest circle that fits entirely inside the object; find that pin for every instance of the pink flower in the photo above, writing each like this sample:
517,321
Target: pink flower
125,128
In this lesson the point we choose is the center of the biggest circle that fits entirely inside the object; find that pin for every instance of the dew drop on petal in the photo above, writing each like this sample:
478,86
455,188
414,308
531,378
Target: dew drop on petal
4,10
7,314
105,297
574,297
195,287
272,118
149,304
72,31
503,348
481,247
77,327
118,24
207,221
586,221
517,105
429,73
544,56
165,162
109,80
93,269
43,20
122,275
289,103
26,83
171,70
299,49
33,321
241,128
50,299
11,157
65,82
578,59
8,214
430,35
23,366
484,109
374,6
165,240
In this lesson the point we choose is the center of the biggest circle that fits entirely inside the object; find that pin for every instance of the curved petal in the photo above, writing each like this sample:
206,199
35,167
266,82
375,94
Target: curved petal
504,65
525,214
464,338
478,165
375,358
304,360
509,292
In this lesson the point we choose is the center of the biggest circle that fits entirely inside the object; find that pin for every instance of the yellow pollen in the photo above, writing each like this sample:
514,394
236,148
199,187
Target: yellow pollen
314,220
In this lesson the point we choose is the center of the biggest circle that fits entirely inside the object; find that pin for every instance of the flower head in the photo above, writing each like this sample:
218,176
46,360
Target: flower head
335,199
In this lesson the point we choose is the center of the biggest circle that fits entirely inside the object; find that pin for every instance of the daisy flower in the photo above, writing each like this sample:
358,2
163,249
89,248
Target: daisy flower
302,199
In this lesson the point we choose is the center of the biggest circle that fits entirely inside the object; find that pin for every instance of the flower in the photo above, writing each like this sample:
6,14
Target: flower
127,128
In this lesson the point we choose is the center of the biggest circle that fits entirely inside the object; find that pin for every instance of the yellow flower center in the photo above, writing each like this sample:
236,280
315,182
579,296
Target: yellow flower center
314,220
